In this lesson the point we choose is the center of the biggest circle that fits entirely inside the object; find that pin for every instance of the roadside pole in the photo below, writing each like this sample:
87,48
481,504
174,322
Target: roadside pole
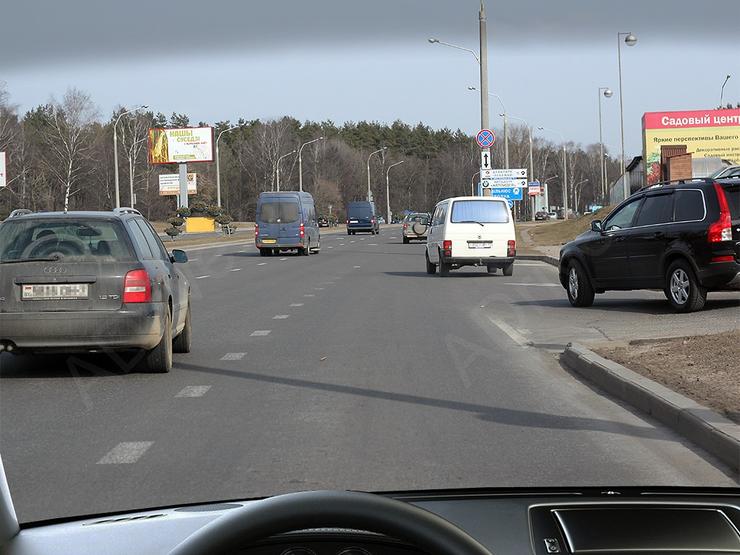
183,168
483,35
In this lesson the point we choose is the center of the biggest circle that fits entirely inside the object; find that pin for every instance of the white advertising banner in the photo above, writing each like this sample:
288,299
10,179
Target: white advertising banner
169,184
182,145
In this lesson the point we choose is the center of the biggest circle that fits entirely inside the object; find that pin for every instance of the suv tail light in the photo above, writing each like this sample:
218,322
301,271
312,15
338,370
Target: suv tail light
256,230
302,230
136,287
405,226
511,248
447,248
721,230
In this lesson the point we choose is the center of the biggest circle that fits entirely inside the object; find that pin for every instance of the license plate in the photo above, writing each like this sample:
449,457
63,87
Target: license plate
269,241
54,291
354,222
481,245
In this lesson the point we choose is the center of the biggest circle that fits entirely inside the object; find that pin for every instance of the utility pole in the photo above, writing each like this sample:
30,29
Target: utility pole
369,190
277,168
388,191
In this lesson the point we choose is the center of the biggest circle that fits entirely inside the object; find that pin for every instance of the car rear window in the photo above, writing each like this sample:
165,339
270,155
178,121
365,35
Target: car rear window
656,209
421,218
279,211
359,211
689,206
732,194
76,239
482,211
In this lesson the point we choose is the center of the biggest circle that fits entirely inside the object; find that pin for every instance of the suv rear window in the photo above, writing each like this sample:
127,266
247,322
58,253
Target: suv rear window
481,211
77,239
421,218
689,206
279,211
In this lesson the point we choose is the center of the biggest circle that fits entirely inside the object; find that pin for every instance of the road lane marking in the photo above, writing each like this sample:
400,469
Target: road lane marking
233,356
318,288
356,267
372,244
193,391
283,259
261,263
351,241
203,277
535,284
514,335
127,452
534,265
193,259
330,247
296,304
259,333
393,237
281,316
309,295
235,270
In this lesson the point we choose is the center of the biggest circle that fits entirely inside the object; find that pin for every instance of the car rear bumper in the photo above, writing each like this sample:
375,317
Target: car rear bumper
281,243
133,327
495,261
412,235
720,275
360,227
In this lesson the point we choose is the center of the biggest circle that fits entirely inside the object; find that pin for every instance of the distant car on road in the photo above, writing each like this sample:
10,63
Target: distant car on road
541,216
361,216
471,231
286,220
90,282
415,226
681,237
323,222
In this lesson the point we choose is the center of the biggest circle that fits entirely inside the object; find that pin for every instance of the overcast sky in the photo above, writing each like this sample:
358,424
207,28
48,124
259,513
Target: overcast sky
361,60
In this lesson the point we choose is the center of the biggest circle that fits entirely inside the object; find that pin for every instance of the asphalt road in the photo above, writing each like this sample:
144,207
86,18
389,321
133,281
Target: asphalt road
348,369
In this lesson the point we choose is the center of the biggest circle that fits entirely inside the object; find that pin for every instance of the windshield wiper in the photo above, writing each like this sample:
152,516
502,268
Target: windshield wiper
37,259
471,222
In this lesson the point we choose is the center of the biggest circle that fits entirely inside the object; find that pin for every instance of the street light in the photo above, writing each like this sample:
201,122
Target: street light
629,40
565,169
437,41
278,166
115,148
575,193
388,191
506,125
300,162
369,191
722,92
472,183
547,194
131,170
607,92
218,164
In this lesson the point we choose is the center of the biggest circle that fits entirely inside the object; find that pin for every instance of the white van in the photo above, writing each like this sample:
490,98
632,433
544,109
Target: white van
471,231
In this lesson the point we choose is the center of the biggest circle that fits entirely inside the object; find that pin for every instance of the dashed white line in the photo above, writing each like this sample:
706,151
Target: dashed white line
318,288
261,263
281,316
296,304
514,335
235,270
356,267
233,356
259,333
351,241
329,247
193,391
203,277
127,452
309,295
372,244
192,260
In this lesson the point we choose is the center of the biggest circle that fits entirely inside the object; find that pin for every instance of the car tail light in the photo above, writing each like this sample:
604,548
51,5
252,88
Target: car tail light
725,258
256,230
511,248
721,230
347,221
302,230
405,226
136,287
447,247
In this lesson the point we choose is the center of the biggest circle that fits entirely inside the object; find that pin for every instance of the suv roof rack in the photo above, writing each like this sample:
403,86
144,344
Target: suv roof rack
126,210
671,183
19,212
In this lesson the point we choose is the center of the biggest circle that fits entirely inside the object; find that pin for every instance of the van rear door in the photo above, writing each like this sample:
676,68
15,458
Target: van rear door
480,228
279,219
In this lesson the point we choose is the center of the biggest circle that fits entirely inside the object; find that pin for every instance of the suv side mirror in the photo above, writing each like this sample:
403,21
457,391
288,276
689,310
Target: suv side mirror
596,226
178,256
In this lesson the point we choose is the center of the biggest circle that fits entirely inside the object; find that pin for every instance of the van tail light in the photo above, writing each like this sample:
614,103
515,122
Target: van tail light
511,248
721,230
136,287
447,248
302,230
256,230
347,221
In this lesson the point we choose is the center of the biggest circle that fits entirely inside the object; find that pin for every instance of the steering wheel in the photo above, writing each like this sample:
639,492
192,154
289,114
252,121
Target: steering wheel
259,520
51,245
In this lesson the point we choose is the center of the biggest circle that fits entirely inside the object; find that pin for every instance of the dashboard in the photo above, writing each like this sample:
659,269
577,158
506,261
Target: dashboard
513,522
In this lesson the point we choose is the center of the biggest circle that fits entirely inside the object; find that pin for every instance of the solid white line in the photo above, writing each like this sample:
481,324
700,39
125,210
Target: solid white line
281,316
235,270
535,284
259,333
193,259
126,452
296,304
514,335
261,263
193,391
203,277
233,356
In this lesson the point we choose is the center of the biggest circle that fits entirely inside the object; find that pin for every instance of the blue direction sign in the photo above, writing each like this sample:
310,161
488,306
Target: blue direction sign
509,193
485,138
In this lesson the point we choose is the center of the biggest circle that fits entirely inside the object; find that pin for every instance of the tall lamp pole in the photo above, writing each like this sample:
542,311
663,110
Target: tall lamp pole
607,94
388,191
300,162
472,183
277,167
629,40
115,149
218,164
722,92
131,171
369,191
565,169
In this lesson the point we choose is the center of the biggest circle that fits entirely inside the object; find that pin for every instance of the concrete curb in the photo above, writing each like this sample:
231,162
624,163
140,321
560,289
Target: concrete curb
541,257
700,425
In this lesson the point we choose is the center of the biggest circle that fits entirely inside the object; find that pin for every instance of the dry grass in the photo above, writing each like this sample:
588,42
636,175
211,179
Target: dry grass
566,230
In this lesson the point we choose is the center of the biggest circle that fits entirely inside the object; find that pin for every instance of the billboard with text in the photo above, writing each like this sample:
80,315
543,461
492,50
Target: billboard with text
181,145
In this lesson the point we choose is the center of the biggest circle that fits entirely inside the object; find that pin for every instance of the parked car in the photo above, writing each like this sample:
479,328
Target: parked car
415,226
471,231
286,220
681,237
92,281
552,215
541,216
729,171
323,222
361,216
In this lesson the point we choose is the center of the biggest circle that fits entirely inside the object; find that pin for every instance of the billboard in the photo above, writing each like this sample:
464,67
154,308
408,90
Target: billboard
169,184
181,145
705,133
3,171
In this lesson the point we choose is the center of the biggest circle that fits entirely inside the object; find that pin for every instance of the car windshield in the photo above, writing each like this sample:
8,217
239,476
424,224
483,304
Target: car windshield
257,247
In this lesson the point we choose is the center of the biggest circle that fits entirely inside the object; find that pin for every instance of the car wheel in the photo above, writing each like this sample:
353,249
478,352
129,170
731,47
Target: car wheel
431,267
183,341
405,240
317,248
682,289
580,292
509,269
159,359
305,251
265,252
349,232
275,252
491,269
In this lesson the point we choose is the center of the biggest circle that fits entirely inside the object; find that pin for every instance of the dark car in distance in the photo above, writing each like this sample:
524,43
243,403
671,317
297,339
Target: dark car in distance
361,216
682,237
76,282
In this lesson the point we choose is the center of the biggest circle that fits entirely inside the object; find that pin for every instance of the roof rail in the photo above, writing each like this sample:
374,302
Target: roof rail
670,183
20,212
126,210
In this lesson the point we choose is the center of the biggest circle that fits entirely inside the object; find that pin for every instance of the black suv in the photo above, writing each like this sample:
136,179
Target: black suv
681,237
91,281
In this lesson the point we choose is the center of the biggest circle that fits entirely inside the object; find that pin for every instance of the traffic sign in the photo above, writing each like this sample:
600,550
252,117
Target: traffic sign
486,174
508,182
485,159
486,183
513,173
534,188
485,138
509,193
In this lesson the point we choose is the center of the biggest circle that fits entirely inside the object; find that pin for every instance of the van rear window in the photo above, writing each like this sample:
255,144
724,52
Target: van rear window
278,212
479,211
359,211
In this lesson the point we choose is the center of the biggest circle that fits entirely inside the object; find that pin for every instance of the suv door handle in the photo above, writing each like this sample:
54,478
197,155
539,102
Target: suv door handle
658,234
620,238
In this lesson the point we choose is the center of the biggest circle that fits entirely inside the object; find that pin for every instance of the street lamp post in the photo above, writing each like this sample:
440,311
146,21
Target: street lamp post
115,149
576,194
565,169
277,167
388,191
531,157
629,40
547,196
218,164
506,125
607,94
369,191
722,91
131,171
300,162
472,183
